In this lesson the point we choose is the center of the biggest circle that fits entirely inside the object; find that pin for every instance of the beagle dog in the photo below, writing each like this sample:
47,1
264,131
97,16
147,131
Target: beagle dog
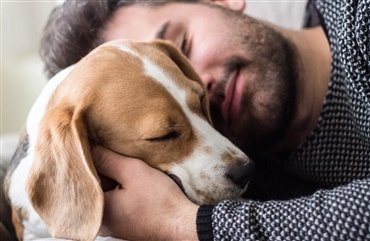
141,100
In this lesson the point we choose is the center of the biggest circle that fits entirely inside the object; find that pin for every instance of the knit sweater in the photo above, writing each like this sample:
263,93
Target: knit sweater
335,158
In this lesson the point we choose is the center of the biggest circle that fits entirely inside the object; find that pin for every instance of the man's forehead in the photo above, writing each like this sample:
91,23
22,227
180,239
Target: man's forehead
136,22
144,22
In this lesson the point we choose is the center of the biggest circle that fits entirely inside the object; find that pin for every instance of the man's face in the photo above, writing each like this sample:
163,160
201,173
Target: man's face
238,59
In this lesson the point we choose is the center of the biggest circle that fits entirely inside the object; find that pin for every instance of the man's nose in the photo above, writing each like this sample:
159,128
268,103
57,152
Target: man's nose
209,82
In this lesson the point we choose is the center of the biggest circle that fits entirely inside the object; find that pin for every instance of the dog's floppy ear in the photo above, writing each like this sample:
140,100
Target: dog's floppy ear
63,185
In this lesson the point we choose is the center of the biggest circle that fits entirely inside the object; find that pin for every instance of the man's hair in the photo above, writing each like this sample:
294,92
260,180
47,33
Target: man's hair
74,29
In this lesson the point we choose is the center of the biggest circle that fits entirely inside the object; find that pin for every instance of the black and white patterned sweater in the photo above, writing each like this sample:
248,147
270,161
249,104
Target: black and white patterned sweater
335,157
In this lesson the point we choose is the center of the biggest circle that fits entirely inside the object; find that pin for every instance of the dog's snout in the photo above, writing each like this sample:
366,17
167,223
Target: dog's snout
241,174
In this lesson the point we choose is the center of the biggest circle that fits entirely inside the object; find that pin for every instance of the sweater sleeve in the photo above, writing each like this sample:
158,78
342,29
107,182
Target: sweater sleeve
342,213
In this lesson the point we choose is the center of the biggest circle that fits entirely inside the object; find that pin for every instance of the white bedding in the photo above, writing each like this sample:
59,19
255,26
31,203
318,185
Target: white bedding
288,13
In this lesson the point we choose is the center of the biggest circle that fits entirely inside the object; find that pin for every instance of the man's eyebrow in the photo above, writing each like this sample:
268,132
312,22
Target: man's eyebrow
162,31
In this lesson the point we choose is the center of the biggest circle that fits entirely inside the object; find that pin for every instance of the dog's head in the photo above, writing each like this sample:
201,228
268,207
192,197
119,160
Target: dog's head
141,100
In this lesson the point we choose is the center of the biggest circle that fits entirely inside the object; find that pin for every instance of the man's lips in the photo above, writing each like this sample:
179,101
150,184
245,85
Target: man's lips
230,106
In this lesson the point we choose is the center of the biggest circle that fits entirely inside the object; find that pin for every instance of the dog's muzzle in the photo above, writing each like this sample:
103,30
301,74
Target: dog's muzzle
240,175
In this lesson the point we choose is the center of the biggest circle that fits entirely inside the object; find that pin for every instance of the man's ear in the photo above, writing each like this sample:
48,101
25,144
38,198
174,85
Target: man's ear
236,5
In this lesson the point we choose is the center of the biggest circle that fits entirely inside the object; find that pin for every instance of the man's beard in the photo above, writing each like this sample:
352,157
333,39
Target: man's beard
260,125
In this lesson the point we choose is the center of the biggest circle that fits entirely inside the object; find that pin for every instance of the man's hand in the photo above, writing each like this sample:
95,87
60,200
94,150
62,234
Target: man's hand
146,205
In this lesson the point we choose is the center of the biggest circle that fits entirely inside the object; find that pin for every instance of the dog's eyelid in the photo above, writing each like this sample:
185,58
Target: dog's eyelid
169,136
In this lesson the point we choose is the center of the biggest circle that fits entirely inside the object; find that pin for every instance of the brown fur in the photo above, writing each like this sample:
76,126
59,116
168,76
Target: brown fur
17,224
63,185
99,100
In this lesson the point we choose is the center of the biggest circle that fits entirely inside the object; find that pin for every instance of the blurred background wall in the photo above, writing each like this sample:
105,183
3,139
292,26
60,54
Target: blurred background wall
22,76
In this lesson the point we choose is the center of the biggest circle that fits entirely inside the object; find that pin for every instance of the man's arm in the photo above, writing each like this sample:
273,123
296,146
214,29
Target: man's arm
339,214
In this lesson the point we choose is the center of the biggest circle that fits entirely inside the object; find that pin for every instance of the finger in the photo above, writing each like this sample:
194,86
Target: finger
99,155
108,163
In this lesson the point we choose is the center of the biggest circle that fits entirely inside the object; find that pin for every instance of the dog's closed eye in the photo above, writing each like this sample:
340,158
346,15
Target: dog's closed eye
169,136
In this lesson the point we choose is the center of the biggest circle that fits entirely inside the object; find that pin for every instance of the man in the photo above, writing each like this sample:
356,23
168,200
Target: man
299,106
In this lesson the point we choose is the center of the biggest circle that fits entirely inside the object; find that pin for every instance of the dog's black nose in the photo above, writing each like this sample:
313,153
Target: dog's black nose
241,174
